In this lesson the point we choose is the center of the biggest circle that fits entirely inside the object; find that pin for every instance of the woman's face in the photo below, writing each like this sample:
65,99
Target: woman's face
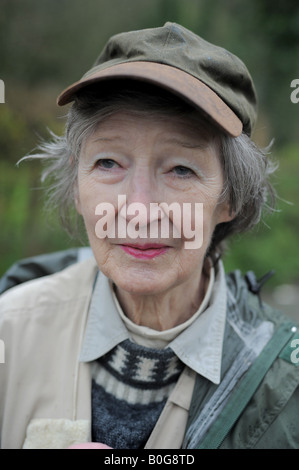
132,171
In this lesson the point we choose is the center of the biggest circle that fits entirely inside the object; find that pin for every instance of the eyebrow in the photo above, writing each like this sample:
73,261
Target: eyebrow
106,139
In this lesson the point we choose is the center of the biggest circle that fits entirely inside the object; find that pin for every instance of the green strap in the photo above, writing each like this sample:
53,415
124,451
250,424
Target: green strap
239,399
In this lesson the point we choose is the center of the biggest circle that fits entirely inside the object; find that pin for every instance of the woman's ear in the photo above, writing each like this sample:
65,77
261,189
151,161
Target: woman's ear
225,213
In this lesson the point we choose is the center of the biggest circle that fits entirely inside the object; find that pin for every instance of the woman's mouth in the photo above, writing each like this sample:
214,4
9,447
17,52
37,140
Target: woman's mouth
146,251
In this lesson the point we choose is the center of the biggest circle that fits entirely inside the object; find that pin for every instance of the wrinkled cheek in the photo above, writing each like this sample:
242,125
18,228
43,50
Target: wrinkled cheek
195,226
90,220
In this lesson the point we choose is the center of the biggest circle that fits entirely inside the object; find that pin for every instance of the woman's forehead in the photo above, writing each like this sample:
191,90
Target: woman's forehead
188,131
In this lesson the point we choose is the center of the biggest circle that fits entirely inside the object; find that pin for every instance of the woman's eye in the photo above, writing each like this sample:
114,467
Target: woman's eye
183,171
106,163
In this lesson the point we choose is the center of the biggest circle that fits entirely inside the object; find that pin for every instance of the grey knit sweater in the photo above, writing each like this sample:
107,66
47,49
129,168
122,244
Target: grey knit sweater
130,387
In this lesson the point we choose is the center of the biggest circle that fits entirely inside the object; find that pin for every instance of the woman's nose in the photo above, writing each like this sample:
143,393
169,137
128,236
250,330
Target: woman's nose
142,199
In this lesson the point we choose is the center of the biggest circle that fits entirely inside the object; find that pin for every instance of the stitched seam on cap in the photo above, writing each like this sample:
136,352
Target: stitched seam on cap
166,43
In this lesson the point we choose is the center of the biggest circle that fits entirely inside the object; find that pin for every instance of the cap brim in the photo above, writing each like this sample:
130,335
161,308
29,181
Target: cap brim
170,78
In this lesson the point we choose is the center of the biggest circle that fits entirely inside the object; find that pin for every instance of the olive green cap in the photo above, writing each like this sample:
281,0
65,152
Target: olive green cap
174,58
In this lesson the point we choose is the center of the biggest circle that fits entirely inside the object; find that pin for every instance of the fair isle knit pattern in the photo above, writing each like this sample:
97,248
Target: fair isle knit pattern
130,387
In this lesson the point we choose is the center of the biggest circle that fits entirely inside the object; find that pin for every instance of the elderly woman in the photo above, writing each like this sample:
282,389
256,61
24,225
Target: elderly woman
147,343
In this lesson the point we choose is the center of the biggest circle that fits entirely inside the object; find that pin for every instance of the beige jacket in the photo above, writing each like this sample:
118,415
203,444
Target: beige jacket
45,392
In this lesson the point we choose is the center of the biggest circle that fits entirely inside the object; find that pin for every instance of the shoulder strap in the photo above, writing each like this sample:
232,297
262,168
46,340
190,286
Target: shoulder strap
242,395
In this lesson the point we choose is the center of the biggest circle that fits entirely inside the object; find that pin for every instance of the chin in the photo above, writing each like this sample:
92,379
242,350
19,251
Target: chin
141,286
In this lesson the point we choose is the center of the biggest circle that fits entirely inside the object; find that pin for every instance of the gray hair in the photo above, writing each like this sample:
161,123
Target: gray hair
246,167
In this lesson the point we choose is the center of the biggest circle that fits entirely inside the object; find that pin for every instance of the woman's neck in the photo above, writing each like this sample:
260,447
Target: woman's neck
165,310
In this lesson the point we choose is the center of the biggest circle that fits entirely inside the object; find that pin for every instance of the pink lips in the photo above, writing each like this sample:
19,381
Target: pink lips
147,251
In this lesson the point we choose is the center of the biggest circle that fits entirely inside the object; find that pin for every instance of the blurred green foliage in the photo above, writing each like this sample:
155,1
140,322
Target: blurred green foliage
47,44
273,244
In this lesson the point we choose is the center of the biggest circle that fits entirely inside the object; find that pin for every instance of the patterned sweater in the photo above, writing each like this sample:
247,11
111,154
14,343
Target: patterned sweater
130,387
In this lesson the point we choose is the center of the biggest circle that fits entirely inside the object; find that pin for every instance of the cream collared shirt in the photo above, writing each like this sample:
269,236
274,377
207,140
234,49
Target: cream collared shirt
197,342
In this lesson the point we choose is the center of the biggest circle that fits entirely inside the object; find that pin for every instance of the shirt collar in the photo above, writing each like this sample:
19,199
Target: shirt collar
199,345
